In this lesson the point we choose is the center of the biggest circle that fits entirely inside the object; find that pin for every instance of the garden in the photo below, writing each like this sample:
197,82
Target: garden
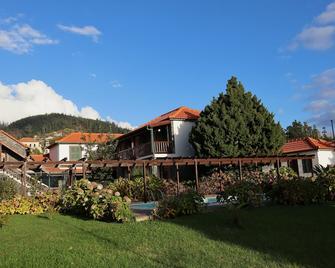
265,220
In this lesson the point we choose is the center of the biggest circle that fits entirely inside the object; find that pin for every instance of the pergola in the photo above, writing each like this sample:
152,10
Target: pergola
145,164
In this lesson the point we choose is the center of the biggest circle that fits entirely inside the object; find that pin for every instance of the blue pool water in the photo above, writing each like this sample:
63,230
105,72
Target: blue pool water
211,200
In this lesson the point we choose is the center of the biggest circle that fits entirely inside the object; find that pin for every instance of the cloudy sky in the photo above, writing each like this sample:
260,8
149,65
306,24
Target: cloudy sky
130,61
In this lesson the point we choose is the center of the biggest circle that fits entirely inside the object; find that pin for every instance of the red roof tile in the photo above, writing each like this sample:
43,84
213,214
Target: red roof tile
38,157
306,144
84,137
183,113
28,139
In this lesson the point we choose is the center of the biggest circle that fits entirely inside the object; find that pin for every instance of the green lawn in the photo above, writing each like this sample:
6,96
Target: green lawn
270,237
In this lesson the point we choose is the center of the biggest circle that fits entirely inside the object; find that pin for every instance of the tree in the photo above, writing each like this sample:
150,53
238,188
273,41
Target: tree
236,124
301,130
104,151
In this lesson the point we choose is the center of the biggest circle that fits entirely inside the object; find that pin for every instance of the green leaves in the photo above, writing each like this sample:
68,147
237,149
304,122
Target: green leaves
236,124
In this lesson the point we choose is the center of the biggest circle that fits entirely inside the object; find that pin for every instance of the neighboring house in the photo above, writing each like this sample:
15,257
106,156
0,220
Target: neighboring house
74,146
11,149
31,143
164,136
324,152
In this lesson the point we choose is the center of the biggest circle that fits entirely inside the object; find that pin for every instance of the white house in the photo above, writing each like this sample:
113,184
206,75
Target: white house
31,143
324,152
164,136
74,146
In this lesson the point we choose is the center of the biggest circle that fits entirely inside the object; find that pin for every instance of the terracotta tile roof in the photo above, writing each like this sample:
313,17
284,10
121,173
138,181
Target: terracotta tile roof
306,144
28,139
183,113
38,157
84,137
61,170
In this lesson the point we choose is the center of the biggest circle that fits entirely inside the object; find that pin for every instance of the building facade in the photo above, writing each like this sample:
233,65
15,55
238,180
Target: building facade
323,151
75,145
166,136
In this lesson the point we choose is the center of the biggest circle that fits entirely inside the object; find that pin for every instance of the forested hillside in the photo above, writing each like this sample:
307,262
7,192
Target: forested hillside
47,123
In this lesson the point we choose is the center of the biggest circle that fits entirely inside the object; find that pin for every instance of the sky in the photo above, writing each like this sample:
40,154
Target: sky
130,61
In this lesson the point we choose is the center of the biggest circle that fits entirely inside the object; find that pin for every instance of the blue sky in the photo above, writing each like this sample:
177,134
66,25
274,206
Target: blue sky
130,61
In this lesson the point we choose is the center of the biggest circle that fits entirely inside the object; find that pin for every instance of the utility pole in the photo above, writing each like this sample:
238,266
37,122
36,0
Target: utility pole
332,123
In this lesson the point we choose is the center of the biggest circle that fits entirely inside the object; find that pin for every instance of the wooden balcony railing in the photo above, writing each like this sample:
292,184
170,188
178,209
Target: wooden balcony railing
161,147
164,147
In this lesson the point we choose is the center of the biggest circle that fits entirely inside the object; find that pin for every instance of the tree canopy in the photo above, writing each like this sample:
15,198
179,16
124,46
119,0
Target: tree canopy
301,130
236,124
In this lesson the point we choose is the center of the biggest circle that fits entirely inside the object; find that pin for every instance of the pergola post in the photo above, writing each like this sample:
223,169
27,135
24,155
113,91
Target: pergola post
240,169
277,168
177,175
24,178
84,170
196,175
145,182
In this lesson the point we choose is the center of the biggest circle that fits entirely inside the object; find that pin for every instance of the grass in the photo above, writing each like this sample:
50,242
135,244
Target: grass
269,237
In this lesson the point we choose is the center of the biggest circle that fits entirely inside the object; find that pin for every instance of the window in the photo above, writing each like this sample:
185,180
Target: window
74,153
307,165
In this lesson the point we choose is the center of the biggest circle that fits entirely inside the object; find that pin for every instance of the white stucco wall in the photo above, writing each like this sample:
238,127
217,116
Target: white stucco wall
181,131
61,151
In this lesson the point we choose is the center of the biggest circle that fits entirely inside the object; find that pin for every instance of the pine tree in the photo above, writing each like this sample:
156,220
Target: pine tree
300,130
236,124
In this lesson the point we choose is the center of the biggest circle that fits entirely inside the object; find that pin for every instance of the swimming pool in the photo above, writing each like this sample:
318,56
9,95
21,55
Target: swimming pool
209,200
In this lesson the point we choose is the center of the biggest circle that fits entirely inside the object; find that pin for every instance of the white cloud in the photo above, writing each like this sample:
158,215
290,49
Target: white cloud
36,97
321,97
122,124
328,16
21,39
314,38
93,75
116,84
319,35
89,31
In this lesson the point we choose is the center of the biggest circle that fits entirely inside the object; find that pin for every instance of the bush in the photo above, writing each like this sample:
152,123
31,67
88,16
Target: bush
20,205
296,191
90,199
8,188
134,188
242,192
326,181
185,204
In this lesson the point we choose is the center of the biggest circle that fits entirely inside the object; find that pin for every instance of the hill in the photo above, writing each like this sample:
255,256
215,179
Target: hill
47,123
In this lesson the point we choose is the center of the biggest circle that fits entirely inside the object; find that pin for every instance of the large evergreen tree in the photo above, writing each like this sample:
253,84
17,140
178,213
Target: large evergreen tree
301,130
236,124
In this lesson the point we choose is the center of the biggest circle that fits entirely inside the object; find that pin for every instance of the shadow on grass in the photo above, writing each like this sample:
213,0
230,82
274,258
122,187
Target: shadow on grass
299,235
111,243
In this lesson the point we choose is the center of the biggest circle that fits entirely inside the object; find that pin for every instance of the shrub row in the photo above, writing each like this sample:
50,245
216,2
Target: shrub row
186,203
91,200
286,190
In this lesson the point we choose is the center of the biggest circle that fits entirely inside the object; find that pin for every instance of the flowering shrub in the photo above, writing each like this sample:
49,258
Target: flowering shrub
296,191
37,204
134,188
242,192
185,204
20,205
90,199
326,181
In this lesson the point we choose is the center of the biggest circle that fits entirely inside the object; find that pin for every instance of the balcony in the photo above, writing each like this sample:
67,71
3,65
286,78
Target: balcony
145,149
